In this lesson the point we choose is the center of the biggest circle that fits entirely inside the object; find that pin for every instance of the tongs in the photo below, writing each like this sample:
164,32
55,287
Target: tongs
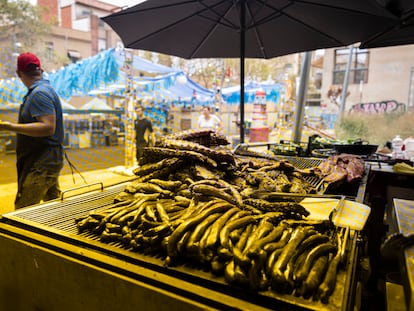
343,245
259,194
338,207
265,195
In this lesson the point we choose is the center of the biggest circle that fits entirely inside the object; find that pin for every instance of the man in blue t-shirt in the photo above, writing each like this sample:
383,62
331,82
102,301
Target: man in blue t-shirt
39,134
144,134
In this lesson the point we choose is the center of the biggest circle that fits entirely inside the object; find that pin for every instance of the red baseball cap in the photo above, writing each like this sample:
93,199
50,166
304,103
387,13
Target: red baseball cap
27,62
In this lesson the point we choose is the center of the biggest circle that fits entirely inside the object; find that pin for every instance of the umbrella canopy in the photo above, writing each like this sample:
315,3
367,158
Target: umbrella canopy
400,34
246,28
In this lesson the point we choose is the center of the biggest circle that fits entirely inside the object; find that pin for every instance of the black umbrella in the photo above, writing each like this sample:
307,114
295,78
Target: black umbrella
400,34
246,28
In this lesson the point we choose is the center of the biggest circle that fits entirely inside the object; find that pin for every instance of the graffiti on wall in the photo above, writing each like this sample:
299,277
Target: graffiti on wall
386,106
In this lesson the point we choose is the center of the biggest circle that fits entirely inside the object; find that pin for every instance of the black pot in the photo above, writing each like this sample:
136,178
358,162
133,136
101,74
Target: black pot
356,148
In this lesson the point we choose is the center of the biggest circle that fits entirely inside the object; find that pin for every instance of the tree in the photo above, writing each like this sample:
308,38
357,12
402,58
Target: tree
22,29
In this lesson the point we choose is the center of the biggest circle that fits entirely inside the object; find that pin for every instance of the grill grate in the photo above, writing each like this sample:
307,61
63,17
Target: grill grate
60,215
304,163
298,162
56,219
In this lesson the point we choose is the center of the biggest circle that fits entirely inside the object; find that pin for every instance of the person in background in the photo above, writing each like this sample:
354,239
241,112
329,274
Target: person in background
40,135
208,121
107,132
144,134
165,131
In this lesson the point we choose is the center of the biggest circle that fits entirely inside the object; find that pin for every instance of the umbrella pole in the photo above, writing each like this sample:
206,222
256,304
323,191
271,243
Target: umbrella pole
242,100
346,82
242,56
303,86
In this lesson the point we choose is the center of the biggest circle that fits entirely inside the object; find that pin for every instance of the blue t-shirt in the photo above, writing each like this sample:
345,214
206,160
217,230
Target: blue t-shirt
41,100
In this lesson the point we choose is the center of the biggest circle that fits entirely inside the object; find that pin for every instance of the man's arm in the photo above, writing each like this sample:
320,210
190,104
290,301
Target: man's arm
45,126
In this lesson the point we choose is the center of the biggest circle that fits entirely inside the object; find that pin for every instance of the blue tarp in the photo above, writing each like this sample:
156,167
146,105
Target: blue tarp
80,77
231,95
102,75
141,64
85,75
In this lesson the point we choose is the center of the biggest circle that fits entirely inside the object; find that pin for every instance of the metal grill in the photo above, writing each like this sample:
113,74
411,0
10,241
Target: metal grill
56,219
298,162
304,163
59,213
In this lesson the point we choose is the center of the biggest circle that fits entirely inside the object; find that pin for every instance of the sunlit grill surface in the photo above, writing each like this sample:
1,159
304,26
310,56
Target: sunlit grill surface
60,215
303,163
298,162
56,220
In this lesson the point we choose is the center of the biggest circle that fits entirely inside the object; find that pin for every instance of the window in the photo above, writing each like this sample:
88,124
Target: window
82,13
74,56
49,50
101,44
359,66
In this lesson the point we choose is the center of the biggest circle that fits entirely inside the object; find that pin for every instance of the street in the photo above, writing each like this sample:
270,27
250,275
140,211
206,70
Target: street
87,159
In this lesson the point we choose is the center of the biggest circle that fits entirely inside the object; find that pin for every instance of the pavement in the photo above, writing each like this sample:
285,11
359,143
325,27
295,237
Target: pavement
72,184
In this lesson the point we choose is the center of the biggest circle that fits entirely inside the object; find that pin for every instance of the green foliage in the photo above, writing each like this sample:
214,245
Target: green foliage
20,23
22,19
376,129
351,128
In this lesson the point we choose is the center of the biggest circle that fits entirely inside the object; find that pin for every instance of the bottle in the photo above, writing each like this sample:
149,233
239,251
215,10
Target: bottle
397,144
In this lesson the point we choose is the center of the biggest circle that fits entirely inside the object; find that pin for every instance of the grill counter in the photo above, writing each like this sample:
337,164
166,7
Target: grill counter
48,265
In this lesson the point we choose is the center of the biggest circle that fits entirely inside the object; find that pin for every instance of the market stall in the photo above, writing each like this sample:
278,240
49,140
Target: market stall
117,84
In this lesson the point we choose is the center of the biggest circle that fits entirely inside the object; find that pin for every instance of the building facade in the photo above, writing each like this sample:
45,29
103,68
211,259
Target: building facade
77,30
380,79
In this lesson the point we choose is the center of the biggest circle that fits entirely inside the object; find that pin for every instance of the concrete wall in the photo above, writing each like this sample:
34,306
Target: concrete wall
71,39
